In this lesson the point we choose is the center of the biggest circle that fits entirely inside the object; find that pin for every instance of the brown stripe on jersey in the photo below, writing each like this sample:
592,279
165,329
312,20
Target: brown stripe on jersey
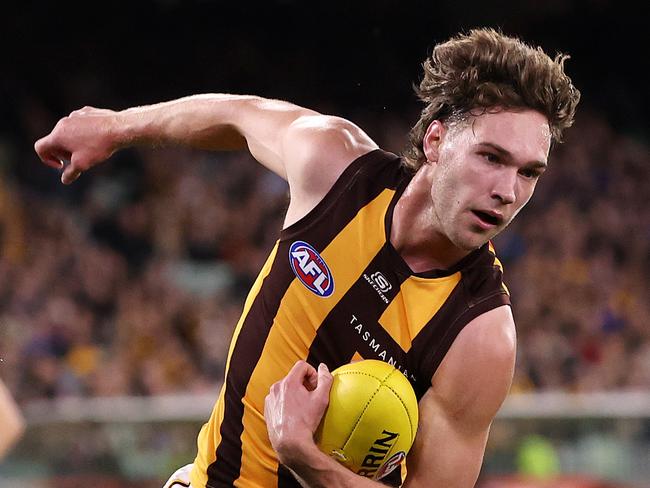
338,338
210,434
366,176
250,341
478,291
286,479
342,333
295,324
347,197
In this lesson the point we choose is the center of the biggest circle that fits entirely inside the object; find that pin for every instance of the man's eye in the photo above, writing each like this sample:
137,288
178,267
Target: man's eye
529,173
490,157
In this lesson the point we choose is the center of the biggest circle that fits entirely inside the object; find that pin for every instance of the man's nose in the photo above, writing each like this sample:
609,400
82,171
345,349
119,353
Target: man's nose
504,187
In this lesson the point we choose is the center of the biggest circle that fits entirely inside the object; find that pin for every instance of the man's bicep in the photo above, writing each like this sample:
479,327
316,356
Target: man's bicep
286,138
265,124
466,392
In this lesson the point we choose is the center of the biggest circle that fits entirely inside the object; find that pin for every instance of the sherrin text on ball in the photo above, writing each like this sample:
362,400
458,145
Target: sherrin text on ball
371,420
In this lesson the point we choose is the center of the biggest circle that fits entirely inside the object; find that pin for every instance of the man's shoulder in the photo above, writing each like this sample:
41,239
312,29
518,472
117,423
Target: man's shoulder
319,150
321,146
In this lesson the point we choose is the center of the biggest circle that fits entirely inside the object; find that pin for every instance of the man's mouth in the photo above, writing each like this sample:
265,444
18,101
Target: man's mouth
492,219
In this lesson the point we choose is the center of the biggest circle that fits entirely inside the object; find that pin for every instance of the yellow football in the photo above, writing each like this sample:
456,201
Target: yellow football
371,420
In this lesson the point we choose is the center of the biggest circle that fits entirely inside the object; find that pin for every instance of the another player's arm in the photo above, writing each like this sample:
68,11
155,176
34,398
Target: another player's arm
290,140
10,419
457,411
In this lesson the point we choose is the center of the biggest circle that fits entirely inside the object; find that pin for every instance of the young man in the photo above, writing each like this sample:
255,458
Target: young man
378,258
11,421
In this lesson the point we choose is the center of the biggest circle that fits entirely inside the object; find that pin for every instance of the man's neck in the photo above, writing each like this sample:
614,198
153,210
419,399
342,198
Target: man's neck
413,231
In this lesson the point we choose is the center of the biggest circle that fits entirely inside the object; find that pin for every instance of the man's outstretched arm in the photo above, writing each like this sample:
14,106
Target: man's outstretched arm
306,148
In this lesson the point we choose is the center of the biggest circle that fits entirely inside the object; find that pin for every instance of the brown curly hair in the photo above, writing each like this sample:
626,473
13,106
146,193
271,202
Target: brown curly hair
485,69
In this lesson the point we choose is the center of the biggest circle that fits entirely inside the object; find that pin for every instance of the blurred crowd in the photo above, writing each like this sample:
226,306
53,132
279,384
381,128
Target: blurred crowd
131,281
578,265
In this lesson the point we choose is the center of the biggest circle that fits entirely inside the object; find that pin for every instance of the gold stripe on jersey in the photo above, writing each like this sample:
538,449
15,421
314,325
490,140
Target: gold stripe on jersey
498,264
293,331
256,450
505,288
418,300
210,434
207,441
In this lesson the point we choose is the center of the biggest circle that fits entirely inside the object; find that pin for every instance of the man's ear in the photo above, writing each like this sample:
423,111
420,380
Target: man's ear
432,139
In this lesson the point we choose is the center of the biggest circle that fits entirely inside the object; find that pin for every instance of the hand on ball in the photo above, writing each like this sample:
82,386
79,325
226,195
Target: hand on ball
294,407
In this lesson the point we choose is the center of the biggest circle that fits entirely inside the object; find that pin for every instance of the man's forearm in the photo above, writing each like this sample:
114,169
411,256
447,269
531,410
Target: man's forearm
214,122
203,121
314,469
90,135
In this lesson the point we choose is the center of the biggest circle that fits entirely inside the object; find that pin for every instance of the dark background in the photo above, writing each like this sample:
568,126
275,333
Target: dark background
352,58
357,59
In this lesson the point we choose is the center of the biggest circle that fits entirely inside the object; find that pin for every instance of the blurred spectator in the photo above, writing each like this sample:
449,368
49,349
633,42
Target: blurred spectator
11,419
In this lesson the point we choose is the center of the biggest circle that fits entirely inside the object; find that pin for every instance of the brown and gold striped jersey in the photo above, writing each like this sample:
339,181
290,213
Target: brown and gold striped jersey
334,290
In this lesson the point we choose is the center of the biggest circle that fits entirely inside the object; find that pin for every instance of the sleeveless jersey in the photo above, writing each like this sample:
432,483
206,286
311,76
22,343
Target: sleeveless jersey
334,290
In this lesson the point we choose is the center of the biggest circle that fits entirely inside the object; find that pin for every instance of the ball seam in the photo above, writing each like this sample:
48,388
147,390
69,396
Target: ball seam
356,423
382,382
408,413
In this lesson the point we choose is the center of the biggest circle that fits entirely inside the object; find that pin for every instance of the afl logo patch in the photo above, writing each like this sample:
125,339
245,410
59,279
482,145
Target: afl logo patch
311,269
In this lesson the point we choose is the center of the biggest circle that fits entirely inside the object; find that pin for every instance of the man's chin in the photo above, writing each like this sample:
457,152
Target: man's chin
473,242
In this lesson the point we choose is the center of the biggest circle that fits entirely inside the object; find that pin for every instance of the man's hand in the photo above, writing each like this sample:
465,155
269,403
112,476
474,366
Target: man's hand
294,408
83,139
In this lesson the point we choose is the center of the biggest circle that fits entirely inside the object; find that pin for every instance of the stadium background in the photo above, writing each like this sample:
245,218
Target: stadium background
118,294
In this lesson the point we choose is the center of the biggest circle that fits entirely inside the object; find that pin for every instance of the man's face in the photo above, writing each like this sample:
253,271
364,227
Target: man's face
484,170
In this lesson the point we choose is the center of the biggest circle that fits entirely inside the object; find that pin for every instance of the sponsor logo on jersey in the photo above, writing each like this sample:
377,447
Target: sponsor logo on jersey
374,459
377,349
380,283
311,269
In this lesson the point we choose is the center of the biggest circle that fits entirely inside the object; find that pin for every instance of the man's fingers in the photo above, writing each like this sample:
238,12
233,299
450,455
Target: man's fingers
52,162
267,406
82,111
321,395
300,372
74,169
311,380
47,155
69,175
325,379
